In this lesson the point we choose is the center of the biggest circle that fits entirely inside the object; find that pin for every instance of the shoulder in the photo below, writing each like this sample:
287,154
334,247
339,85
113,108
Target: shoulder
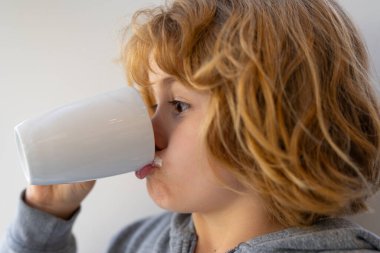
332,235
151,234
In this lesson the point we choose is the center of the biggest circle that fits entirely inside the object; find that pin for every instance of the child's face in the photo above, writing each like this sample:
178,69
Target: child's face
185,182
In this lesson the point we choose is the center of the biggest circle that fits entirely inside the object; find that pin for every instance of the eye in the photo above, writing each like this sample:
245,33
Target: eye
179,106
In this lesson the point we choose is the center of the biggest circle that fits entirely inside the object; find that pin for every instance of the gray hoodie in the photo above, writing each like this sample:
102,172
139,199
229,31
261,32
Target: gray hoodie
175,233
36,232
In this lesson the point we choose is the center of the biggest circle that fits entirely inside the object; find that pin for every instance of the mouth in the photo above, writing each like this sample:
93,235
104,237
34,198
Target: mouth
149,168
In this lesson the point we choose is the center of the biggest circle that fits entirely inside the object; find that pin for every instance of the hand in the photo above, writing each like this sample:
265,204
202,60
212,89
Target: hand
61,200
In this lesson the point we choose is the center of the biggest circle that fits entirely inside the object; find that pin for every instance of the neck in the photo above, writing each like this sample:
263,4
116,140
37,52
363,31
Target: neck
222,230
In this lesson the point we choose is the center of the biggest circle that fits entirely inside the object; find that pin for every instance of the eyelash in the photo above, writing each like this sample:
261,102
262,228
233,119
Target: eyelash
176,104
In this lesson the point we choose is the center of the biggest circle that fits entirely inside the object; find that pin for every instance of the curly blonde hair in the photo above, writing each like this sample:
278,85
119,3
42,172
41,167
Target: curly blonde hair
292,111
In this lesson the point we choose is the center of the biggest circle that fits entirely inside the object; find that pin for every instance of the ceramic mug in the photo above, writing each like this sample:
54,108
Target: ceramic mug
101,136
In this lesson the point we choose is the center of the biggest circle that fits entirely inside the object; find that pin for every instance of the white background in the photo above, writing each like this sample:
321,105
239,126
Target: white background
55,52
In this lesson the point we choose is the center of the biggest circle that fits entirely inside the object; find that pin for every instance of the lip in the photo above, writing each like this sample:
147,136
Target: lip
149,168
145,171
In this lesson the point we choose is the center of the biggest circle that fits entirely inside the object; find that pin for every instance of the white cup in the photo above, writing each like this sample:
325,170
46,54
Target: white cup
101,136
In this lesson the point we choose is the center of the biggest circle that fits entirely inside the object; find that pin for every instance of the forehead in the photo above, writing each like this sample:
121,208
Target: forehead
158,78
156,74
160,81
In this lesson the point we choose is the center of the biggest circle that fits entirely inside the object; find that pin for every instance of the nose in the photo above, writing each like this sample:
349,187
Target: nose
160,136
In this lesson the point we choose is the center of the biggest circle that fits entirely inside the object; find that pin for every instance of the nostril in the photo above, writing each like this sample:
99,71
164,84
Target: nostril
157,148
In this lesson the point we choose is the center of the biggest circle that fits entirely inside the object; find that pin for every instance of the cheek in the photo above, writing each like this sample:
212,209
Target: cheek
184,149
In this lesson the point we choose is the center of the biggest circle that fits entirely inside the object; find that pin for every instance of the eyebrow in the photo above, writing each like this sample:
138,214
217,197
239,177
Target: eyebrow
165,80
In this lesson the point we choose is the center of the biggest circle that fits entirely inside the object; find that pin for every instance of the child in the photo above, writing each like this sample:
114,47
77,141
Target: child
266,127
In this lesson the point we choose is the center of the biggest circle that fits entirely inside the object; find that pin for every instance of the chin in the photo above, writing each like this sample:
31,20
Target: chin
165,202
162,196
157,193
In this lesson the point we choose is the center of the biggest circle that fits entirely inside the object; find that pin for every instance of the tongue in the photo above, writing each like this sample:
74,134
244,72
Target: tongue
143,172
